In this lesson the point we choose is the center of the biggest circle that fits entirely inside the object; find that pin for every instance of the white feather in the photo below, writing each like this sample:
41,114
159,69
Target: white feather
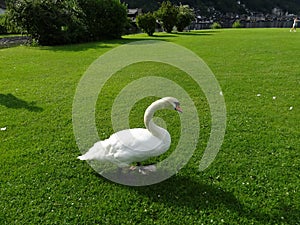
138,144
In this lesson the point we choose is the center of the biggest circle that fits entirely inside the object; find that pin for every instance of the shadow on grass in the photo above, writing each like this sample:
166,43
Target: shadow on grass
11,101
108,43
196,33
185,192
162,35
78,47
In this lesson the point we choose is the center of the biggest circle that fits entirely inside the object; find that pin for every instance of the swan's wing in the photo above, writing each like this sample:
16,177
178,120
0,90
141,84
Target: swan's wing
138,139
135,145
127,146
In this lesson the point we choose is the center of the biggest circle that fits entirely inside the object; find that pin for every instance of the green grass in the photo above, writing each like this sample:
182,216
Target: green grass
254,179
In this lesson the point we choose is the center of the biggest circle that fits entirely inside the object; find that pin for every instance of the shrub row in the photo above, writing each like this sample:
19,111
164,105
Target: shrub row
236,24
64,21
169,16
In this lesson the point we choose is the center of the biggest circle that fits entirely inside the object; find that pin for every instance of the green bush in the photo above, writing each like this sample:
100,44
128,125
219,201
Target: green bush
62,22
47,22
216,25
147,23
104,18
7,26
3,29
237,24
167,15
184,17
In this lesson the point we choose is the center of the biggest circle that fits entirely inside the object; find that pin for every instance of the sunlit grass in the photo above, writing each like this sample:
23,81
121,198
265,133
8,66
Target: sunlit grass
254,179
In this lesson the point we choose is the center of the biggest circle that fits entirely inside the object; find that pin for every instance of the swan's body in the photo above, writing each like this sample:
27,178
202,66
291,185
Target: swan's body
135,145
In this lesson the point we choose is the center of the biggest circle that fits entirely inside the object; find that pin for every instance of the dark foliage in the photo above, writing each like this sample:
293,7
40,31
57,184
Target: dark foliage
292,6
48,22
184,17
167,15
147,23
60,22
104,18
3,29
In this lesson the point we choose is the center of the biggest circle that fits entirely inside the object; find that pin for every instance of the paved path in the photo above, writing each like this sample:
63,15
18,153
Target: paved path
13,41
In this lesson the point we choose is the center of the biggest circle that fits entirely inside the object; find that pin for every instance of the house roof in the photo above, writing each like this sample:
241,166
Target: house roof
133,11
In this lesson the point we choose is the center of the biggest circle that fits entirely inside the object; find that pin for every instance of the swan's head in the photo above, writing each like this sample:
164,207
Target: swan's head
172,103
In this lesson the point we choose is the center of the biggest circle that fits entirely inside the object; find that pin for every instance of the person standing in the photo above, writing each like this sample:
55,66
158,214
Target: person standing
294,25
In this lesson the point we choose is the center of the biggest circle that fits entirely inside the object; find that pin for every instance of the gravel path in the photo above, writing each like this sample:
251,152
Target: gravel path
13,41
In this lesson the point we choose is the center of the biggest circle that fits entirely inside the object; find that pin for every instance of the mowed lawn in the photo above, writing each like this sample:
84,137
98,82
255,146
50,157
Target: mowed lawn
255,178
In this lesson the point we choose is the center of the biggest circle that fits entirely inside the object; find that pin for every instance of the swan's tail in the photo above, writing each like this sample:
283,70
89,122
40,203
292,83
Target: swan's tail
97,152
82,157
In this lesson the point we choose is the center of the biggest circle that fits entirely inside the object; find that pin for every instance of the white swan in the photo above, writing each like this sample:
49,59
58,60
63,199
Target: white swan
135,145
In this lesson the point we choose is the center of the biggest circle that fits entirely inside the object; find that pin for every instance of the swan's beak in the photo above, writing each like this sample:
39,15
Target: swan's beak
178,108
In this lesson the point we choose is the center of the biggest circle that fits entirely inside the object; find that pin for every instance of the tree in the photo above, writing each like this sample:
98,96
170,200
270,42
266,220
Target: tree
237,24
184,18
54,22
48,22
167,15
216,25
224,6
104,18
147,23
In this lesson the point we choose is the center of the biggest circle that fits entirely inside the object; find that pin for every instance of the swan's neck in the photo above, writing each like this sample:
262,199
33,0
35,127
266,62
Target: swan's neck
150,125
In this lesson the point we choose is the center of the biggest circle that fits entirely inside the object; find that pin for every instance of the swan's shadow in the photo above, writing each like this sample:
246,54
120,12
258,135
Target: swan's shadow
182,191
185,192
